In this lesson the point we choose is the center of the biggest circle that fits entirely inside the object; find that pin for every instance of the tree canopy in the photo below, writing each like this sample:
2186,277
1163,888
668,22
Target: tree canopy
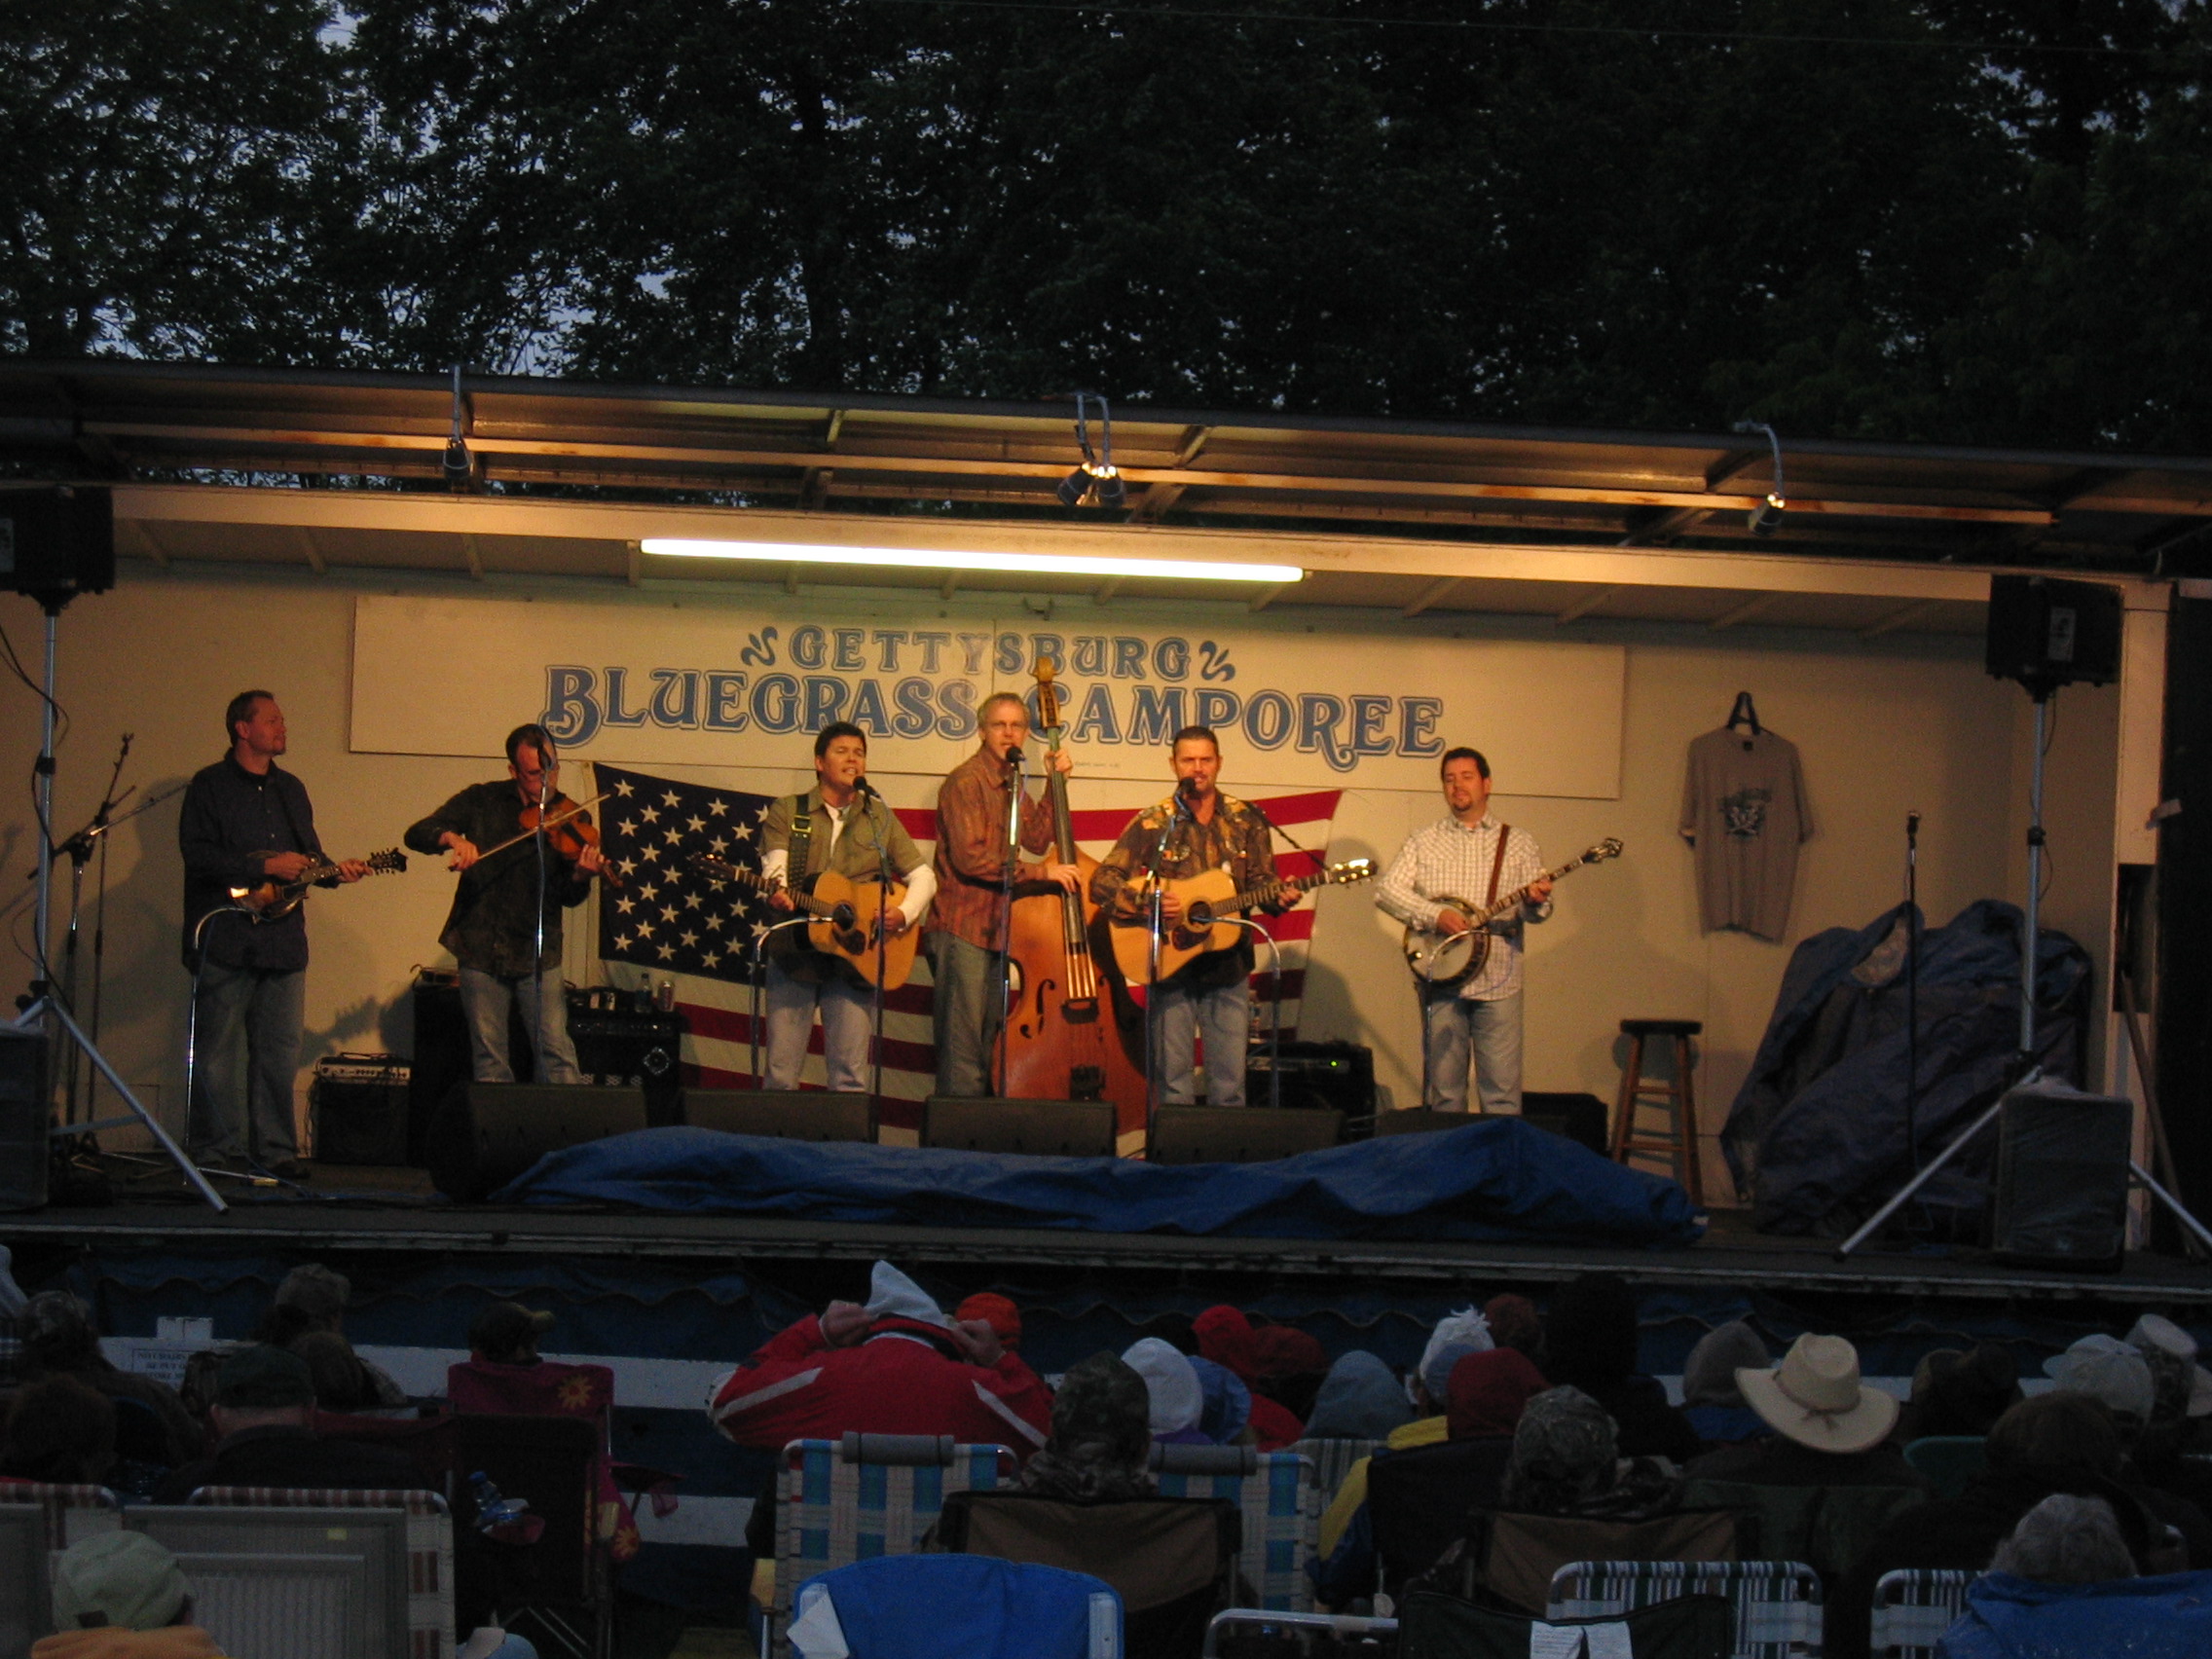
1975,221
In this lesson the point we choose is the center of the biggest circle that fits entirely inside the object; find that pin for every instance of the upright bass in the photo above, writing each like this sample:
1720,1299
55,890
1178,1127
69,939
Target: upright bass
1072,1032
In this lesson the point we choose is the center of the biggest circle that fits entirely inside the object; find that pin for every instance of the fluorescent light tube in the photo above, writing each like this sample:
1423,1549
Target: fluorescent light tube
1015,564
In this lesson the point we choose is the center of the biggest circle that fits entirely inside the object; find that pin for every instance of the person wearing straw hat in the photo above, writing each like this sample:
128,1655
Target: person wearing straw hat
1830,1427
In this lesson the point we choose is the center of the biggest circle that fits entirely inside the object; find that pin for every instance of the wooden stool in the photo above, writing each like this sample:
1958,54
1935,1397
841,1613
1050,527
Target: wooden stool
1672,1095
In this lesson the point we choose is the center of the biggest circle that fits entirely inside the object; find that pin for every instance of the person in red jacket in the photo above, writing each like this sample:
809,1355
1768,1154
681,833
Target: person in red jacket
895,1366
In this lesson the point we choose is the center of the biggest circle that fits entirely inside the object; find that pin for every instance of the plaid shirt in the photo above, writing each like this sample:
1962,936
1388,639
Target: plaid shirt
971,847
1450,861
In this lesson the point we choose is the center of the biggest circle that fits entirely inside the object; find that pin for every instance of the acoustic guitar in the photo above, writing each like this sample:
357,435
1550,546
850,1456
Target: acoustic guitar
1448,958
1207,898
843,913
271,900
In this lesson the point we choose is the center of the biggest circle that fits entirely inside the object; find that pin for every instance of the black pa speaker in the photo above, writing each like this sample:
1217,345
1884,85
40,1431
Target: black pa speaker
1419,1121
1238,1134
1045,1129
2061,1198
56,543
24,1162
2046,634
487,1133
1579,1118
793,1114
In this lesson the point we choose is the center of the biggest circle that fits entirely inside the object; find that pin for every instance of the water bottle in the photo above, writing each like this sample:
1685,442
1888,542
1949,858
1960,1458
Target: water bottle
493,1510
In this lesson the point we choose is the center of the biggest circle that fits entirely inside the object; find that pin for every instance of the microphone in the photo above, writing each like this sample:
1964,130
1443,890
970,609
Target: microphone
864,787
1912,821
1013,758
1188,789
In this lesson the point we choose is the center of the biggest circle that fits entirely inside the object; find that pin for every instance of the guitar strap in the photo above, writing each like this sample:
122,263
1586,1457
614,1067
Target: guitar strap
1497,865
801,844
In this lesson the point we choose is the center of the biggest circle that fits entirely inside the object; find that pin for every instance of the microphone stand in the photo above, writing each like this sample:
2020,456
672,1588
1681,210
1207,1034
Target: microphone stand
1274,1013
1000,956
872,801
1912,987
759,944
1155,927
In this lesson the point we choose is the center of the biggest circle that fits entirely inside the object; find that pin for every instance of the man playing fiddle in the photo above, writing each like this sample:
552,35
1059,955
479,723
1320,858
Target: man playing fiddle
839,825
504,928
968,927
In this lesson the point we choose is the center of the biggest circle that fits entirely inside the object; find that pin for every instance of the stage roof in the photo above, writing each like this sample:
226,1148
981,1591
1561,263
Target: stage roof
329,470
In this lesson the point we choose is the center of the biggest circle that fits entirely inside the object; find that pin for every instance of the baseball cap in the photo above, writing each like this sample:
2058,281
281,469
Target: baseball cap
506,1326
125,1579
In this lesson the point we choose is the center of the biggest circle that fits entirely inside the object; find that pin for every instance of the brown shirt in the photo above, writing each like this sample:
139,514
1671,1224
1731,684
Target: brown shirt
971,847
1235,838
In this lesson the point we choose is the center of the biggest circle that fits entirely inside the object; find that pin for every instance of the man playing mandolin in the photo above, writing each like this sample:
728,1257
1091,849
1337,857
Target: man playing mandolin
1472,1026
1211,831
839,825
246,821
501,911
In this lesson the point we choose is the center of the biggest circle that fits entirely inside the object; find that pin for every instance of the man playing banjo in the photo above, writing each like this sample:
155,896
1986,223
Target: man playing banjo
1464,861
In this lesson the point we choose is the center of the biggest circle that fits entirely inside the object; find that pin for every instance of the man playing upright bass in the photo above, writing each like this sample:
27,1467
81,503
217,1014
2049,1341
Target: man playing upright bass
839,825
1473,1026
967,928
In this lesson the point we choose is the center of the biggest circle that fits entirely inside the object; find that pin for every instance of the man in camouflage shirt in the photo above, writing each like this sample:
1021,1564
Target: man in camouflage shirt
1217,831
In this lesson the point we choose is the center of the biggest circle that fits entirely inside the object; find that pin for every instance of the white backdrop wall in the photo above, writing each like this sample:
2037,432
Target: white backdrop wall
1883,726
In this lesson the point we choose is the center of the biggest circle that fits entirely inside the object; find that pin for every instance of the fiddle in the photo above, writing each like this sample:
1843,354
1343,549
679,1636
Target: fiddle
568,831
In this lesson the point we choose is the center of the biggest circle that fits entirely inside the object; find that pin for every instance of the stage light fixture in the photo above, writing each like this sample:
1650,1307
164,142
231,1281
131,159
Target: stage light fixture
459,464
1766,518
1097,477
934,558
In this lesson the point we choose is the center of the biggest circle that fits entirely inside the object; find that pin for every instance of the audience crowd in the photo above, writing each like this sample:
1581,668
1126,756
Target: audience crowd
2083,1505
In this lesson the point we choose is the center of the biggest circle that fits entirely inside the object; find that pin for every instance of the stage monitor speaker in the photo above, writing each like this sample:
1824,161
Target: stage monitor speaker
2046,633
793,1114
1043,1128
25,1161
56,543
487,1133
1579,1118
1329,1075
1238,1134
1419,1121
2062,1178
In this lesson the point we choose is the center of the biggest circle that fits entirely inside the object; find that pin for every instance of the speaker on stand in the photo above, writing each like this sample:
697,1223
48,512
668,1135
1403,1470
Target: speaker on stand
488,1133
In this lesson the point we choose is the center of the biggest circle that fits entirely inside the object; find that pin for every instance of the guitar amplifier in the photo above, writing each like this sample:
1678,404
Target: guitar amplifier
1329,1076
627,1046
358,1106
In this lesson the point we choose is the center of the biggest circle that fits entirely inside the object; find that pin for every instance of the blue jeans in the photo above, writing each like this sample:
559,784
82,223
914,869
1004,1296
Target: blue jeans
484,999
245,1054
1224,1015
848,1017
965,1017
1459,1037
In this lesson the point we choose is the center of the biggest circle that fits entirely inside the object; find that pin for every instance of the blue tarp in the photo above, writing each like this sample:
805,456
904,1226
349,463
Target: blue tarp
1816,1132
1494,1180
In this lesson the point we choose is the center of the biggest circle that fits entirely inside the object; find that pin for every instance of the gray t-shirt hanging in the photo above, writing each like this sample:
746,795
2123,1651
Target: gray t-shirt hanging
1744,809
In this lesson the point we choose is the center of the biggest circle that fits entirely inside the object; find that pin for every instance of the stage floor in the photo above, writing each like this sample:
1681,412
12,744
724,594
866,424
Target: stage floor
358,1208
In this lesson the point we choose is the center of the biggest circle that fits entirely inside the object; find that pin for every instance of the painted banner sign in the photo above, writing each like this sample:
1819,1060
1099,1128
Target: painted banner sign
1357,705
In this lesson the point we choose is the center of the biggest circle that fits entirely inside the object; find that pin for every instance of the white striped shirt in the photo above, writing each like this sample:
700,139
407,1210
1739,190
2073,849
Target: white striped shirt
1450,861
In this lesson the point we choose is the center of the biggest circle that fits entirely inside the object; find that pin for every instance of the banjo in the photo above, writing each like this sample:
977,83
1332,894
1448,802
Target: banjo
1440,958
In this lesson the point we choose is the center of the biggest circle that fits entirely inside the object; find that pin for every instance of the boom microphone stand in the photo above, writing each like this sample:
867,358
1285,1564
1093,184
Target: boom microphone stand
1155,931
871,804
43,1006
1274,1014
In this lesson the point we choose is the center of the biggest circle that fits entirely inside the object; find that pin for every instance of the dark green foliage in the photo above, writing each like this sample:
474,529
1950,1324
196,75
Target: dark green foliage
1944,220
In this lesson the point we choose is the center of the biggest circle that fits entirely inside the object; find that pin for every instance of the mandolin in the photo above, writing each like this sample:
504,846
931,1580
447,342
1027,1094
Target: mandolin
1447,959
273,900
844,914
1208,897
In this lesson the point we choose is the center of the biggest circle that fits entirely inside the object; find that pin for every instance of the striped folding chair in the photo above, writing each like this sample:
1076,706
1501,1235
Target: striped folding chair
1280,1503
1777,1602
1332,1461
73,1513
430,1547
1914,1607
863,1497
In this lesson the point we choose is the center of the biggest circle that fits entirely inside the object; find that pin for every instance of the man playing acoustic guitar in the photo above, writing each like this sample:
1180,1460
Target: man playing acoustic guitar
1473,1026
839,825
1215,831
246,821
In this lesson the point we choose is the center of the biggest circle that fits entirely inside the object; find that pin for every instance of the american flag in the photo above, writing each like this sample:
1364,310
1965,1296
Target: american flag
676,922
